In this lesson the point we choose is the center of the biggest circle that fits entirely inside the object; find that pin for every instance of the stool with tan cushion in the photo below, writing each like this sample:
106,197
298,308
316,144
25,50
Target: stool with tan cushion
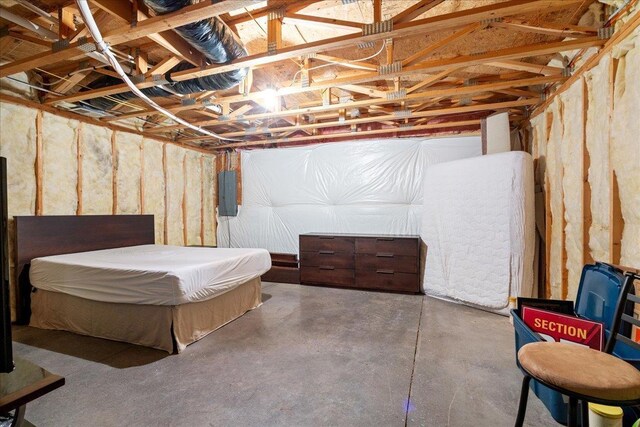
581,373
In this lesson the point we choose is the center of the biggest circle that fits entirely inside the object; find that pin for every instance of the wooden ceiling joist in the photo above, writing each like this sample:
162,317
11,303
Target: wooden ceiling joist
463,90
126,33
423,53
364,77
527,66
416,10
427,25
549,30
351,134
349,122
316,21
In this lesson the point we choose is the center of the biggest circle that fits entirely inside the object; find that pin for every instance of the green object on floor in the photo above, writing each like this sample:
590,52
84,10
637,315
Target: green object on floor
637,423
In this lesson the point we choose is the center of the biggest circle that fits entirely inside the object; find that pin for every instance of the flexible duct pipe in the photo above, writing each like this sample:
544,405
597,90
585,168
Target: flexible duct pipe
87,17
212,37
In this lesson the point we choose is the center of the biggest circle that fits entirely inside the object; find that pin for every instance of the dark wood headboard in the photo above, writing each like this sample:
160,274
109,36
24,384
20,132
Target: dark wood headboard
38,236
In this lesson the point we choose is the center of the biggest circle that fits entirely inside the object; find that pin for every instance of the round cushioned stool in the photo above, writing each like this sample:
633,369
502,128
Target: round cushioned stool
581,373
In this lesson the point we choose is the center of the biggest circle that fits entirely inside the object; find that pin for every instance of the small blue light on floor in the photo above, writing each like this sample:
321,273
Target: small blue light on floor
408,406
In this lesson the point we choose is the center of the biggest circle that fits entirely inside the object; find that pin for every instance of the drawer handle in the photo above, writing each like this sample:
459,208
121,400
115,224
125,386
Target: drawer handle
385,239
327,252
327,267
384,271
384,255
327,237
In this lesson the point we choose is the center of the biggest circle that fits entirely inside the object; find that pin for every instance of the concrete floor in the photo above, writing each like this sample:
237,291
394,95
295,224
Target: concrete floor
308,356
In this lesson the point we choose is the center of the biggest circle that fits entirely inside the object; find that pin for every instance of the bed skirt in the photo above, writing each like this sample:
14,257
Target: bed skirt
169,328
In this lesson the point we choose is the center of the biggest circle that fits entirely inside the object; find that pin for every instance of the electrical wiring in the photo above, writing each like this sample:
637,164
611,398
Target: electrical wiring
344,63
103,47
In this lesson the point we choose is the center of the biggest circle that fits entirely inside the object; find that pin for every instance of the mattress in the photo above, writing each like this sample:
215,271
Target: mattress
149,274
478,225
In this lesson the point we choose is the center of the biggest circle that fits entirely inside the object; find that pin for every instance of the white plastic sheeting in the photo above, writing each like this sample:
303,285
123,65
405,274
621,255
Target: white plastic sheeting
478,225
372,186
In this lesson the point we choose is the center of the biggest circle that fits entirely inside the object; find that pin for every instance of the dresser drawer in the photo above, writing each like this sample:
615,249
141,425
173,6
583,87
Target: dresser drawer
327,276
327,243
385,279
327,258
397,263
387,246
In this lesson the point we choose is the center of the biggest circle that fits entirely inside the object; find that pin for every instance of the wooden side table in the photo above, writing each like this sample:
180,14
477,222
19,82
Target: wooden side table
27,382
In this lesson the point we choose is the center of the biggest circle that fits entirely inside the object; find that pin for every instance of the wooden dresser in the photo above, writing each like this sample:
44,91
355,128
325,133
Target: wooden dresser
380,262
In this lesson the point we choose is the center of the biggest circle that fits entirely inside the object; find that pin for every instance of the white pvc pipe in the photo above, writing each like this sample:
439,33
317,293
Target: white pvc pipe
25,23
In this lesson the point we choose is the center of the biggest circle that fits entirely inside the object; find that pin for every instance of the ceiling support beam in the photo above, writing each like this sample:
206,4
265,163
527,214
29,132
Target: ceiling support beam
416,10
527,66
148,27
427,25
316,21
349,122
462,90
351,134
440,44
424,67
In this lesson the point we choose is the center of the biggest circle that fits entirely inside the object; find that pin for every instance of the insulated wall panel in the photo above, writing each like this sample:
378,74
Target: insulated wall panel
597,133
209,200
572,177
174,173
154,191
554,172
18,146
60,165
97,170
193,197
128,172
372,186
625,145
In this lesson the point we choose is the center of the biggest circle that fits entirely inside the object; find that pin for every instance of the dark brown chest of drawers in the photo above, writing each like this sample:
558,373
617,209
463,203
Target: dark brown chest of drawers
380,262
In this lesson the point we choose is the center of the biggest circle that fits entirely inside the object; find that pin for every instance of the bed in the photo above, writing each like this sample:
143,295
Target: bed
102,276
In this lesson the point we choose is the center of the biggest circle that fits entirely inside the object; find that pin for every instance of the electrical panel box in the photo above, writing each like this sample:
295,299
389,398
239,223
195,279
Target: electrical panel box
227,197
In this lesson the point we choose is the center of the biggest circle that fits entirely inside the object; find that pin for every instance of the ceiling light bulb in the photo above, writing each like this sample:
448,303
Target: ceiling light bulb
270,99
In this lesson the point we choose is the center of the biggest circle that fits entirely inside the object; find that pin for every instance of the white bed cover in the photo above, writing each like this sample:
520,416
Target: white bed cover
478,225
149,274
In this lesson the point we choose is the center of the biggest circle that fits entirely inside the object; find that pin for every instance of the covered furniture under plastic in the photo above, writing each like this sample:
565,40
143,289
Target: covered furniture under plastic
478,222
360,187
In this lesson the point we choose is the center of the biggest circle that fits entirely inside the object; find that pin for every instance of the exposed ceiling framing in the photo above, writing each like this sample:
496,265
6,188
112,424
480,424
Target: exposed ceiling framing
330,70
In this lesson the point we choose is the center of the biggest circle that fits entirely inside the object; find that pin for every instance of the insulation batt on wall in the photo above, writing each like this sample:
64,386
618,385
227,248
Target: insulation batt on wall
193,187
174,181
97,170
60,165
372,186
610,135
597,132
154,188
625,144
554,171
17,144
128,172
572,176
78,158
209,184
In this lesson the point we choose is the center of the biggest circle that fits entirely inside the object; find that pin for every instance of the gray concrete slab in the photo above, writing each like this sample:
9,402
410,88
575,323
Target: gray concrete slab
465,371
308,356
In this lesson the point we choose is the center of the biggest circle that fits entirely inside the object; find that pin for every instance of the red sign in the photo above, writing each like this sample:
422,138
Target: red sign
562,328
